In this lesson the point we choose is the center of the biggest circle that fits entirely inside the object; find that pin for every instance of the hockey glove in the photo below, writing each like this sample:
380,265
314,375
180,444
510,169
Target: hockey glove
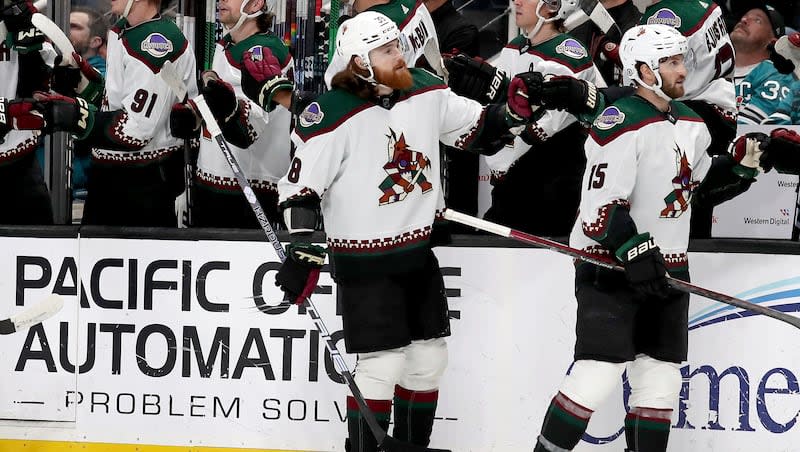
219,95
299,273
262,77
68,114
782,152
645,267
24,36
18,114
785,54
475,79
184,120
565,93
746,151
84,81
518,107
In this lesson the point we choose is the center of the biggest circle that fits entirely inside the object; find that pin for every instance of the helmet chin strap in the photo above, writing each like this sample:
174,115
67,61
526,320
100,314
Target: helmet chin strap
655,87
127,9
542,20
243,16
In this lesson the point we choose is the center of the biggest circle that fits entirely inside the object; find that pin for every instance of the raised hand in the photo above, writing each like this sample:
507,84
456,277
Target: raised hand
262,77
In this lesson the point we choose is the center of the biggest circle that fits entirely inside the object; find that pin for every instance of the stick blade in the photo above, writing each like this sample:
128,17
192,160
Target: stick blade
60,40
36,314
171,77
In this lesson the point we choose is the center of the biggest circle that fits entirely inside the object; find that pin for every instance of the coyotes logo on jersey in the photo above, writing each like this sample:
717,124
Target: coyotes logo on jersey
678,200
404,169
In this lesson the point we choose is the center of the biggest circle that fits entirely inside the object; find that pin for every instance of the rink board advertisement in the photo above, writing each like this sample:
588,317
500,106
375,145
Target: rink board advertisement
162,343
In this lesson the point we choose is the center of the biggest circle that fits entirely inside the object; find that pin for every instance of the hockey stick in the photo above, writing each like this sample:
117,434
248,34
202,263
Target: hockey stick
170,76
33,315
683,286
597,13
40,5
386,442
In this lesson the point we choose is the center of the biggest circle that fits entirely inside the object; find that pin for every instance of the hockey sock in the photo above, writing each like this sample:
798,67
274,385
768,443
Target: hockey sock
413,415
647,429
360,437
563,426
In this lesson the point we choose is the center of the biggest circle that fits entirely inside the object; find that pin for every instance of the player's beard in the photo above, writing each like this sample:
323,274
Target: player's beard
674,90
397,78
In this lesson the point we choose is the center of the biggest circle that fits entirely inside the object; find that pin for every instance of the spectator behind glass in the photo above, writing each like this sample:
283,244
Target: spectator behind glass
87,33
460,170
760,88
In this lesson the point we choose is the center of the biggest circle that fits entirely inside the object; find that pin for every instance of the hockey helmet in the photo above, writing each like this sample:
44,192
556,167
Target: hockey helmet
560,9
364,32
649,44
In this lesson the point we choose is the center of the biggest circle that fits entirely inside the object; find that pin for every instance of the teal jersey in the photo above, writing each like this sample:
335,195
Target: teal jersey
788,110
760,93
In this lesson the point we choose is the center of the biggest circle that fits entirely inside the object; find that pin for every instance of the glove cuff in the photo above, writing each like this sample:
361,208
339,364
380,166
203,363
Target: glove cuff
745,172
635,246
269,89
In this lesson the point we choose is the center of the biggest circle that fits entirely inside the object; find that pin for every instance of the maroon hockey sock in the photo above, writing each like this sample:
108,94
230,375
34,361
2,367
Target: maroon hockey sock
414,414
360,437
647,429
563,426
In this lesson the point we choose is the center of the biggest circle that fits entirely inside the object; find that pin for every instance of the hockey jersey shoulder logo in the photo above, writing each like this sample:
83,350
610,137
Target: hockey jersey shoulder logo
572,48
610,117
404,171
312,115
157,45
665,16
678,199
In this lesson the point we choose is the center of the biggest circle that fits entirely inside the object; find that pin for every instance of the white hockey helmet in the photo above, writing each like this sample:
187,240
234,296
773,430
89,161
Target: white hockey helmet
649,44
364,32
560,9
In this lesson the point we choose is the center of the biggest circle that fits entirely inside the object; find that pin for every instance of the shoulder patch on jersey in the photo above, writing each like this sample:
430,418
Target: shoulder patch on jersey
665,16
609,118
312,115
157,45
572,48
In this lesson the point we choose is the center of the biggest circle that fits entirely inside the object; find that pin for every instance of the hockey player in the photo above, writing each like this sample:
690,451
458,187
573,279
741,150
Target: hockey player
137,165
23,70
646,160
259,137
368,154
553,141
418,33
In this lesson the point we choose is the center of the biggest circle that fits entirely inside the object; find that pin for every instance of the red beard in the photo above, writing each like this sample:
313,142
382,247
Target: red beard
398,78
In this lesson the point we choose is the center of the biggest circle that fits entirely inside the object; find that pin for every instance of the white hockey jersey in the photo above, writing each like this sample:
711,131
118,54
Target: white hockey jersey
560,55
710,57
417,34
639,159
140,131
267,158
17,142
377,170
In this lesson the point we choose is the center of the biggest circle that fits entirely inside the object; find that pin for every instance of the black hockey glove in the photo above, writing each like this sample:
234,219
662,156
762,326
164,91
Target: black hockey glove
782,152
84,81
299,273
262,77
219,95
68,114
475,79
645,267
746,150
19,114
565,93
17,17
184,120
